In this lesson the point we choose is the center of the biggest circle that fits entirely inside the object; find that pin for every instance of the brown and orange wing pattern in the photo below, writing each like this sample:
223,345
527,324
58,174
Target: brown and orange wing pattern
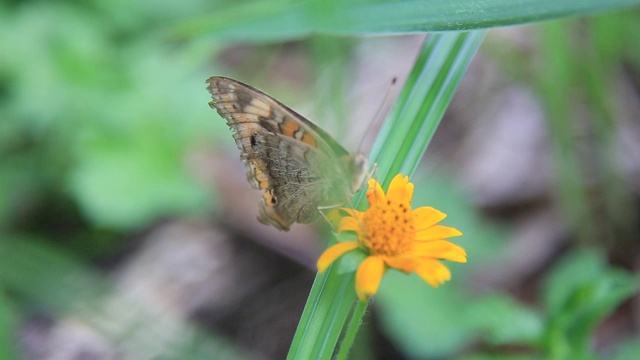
291,160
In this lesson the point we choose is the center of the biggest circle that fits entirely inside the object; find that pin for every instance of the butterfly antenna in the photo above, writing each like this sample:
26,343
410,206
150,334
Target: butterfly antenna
378,115
374,173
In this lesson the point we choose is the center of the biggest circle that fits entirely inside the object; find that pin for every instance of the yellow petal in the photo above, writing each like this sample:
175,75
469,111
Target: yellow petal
353,212
335,216
334,252
349,223
408,193
433,272
437,232
407,264
375,195
368,277
426,216
400,189
440,249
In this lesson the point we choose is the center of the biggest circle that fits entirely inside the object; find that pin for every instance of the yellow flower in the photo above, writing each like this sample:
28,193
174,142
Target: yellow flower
394,236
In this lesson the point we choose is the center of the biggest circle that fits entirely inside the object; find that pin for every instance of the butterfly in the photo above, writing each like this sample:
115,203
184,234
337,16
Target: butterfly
297,165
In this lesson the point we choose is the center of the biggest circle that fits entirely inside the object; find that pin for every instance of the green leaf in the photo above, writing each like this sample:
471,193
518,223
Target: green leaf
266,20
131,153
127,184
500,320
570,274
579,294
398,148
424,322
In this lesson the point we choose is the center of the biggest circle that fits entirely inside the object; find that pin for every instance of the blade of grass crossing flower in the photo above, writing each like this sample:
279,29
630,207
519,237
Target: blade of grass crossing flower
452,67
323,317
399,130
337,312
399,147
416,115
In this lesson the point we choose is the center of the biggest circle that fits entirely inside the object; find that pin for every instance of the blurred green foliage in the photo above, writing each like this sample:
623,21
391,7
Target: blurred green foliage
580,63
98,116
98,113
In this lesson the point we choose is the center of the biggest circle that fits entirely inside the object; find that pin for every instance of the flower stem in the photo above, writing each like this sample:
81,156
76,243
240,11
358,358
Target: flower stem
352,330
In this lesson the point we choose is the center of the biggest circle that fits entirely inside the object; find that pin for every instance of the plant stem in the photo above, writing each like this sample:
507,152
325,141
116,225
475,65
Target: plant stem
352,330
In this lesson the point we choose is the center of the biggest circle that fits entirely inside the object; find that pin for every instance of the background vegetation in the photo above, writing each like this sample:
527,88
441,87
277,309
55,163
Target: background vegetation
127,230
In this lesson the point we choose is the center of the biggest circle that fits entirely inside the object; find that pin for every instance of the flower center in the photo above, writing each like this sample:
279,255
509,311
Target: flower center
389,228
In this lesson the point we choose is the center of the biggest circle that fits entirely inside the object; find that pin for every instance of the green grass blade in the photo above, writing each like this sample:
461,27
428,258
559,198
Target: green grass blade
417,113
420,15
267,20
399,147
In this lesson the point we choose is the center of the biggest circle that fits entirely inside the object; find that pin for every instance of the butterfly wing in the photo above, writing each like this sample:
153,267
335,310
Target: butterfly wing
297,165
